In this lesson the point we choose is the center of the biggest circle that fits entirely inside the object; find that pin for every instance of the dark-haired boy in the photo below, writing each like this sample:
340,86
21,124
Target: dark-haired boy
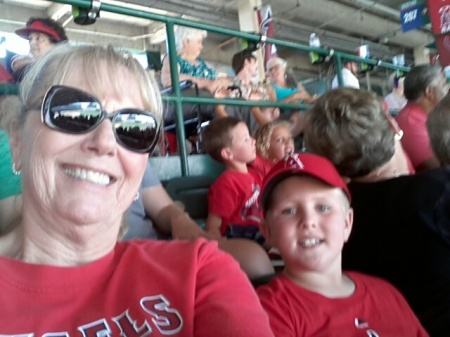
233,198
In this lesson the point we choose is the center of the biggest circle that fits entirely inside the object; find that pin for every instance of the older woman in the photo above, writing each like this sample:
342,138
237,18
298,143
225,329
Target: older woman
43,34
89,118
189,44
286,89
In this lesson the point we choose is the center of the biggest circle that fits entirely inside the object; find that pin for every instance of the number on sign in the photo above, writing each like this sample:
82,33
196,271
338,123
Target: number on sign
410,16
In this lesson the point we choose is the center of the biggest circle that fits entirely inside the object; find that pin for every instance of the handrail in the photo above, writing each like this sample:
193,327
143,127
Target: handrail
178,99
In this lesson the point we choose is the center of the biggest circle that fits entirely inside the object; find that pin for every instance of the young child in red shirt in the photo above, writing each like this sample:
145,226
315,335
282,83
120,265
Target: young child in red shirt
233,209
307,216
274,142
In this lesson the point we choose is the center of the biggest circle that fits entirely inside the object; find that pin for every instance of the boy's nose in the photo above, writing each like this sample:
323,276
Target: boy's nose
307,221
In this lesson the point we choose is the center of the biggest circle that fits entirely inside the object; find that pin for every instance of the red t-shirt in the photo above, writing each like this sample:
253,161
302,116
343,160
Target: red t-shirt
142,288
375,307
412,120
234,197
260,167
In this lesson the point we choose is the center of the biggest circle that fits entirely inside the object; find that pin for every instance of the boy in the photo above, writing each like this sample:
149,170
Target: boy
233,209
308,218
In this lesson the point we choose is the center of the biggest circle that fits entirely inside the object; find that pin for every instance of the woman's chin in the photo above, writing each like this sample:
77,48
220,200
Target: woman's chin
82,212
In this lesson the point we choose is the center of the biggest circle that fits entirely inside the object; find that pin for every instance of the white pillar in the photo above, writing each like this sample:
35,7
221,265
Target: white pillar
248,22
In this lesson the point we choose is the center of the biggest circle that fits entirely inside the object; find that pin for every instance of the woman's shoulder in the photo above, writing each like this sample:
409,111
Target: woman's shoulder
165,251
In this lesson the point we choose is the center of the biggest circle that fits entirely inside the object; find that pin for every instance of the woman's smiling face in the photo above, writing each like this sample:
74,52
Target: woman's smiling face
84,178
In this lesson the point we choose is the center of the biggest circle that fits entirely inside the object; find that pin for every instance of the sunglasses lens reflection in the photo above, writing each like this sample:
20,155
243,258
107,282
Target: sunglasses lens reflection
73,111
136,130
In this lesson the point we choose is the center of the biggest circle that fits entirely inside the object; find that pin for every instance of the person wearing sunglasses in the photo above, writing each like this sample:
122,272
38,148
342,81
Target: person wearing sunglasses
90,116
43,35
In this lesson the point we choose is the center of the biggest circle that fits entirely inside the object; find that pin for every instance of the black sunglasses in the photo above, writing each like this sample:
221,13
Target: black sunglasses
74,111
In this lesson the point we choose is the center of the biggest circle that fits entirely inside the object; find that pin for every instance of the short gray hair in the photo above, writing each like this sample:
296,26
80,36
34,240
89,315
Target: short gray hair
183,33
418,79
276,60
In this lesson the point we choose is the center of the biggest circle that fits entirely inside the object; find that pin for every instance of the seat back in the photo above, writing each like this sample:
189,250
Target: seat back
192,192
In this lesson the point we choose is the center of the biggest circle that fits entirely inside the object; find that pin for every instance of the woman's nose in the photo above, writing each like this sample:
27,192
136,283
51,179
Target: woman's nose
101,140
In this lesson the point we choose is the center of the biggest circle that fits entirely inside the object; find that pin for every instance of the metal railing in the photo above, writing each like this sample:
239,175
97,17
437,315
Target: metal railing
176,96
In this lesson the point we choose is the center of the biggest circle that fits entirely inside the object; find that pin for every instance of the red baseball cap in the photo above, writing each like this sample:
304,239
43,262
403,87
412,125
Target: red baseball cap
37,27
301,164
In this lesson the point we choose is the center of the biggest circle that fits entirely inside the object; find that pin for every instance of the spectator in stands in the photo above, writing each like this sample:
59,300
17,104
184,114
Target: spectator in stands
189,44
274,140
396,99
233,209
401,223
43,34
349,71
438,126
287,90
308,218
152,214
286,87
77,181
246,69
425,86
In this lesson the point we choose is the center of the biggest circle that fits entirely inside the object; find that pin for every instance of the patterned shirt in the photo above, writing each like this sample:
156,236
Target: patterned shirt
201,70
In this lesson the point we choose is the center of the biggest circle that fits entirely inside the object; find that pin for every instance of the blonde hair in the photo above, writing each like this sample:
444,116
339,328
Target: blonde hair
263,135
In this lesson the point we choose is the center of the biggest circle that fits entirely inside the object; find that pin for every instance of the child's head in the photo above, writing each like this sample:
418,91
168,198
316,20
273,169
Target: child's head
307,212
274,140
228,139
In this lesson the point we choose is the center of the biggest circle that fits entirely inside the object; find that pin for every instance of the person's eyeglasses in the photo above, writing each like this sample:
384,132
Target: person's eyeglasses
74,111
274,68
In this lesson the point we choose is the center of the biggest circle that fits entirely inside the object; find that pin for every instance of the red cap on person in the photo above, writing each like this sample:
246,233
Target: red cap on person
301,164
37,26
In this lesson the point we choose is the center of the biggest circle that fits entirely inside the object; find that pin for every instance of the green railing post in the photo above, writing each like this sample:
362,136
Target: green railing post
181,136
339,70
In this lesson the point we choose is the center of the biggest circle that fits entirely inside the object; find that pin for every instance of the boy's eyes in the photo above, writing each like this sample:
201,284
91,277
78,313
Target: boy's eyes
289,211
323,208
293,210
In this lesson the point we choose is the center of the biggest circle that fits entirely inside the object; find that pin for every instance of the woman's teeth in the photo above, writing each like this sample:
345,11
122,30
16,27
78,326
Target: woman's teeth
91,176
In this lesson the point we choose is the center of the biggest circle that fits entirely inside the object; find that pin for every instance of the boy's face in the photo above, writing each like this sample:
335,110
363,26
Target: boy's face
252,67
281,143
243,146
308,221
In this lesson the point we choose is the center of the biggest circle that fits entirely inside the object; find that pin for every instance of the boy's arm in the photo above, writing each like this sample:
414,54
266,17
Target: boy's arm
213,223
